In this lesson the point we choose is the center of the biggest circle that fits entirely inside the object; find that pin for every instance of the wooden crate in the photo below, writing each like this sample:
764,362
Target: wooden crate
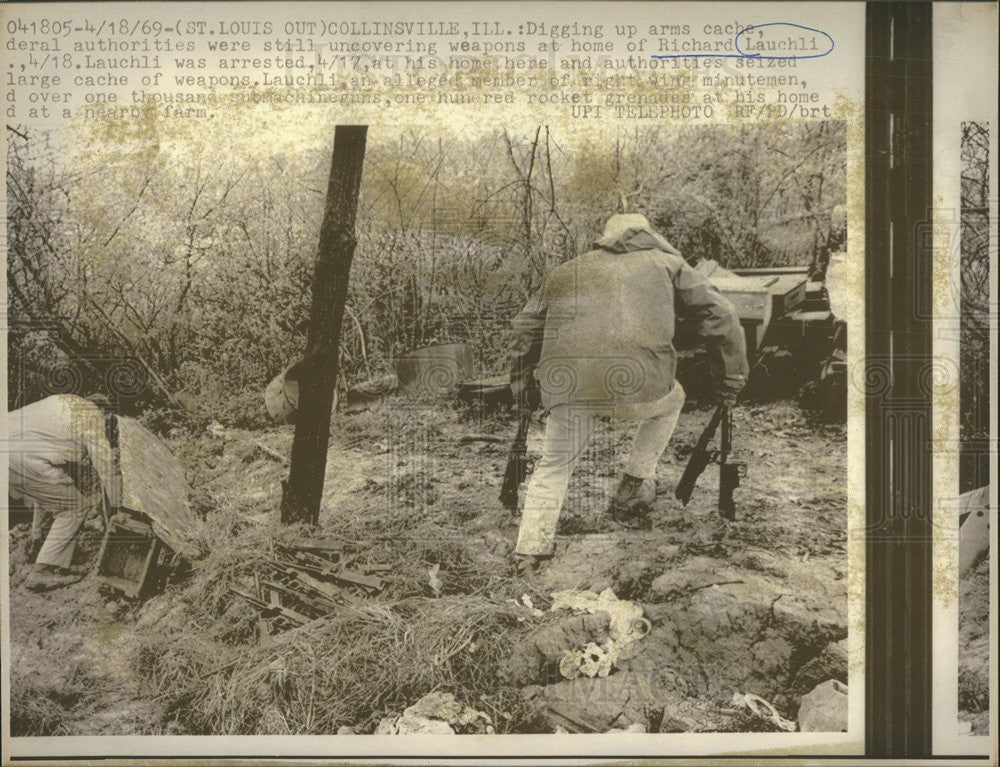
751,300
130,558
788,292
753,306
760,297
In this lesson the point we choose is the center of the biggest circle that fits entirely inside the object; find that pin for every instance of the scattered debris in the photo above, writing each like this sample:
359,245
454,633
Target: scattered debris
435,582
825,708
536,659
586,645
437,713
760,707
592,660
626,625
598,704
271,453
305,580
526,601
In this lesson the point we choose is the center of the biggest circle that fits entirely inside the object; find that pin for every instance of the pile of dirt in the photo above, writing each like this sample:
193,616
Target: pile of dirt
757,605
974,648
443,617
70,667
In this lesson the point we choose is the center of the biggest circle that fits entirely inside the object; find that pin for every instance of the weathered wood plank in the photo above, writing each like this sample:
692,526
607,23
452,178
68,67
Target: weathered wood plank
153,483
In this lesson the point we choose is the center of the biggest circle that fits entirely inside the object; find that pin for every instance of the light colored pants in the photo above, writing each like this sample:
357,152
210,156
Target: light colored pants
567,432
69,508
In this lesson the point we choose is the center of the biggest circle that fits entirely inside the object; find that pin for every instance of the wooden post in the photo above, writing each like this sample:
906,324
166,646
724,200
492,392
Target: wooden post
301,494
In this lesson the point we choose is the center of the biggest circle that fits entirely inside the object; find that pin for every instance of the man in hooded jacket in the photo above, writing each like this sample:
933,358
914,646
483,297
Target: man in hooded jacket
596,342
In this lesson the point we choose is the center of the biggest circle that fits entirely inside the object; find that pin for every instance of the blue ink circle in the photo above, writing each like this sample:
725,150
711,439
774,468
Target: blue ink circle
744,54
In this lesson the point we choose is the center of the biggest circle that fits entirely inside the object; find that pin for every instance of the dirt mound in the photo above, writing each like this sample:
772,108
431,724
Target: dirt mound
974,647
442,618
757,605
70,669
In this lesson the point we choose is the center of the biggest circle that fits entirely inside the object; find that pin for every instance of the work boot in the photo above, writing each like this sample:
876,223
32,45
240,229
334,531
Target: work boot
633,501
46,578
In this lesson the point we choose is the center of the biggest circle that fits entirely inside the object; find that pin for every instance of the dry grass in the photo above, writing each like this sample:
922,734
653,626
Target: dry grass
367,659
42,709
349,668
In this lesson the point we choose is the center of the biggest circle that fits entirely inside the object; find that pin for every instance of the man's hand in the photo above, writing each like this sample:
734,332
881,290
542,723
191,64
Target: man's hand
524,386
726,397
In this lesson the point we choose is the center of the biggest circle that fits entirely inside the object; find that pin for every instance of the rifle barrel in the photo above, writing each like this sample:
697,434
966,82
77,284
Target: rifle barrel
699,458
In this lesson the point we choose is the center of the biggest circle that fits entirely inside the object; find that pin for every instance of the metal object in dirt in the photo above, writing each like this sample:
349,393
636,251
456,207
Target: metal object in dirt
271,610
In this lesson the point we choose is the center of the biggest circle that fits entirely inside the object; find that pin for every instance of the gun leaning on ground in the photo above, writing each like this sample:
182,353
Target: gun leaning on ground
517,462
729,472
700,458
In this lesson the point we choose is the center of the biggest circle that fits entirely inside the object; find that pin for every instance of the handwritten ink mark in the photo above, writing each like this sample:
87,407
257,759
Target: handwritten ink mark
747,55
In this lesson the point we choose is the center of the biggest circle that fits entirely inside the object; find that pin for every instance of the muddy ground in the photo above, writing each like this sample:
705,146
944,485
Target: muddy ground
757,605
974,648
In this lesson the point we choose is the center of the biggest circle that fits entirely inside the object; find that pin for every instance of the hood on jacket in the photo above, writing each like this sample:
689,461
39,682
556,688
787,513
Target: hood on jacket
628,232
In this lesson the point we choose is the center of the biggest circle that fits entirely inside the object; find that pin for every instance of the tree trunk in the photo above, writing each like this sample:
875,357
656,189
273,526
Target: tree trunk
303,491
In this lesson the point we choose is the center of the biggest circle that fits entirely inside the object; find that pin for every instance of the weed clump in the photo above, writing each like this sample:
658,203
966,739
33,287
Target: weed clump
369,657
350,668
